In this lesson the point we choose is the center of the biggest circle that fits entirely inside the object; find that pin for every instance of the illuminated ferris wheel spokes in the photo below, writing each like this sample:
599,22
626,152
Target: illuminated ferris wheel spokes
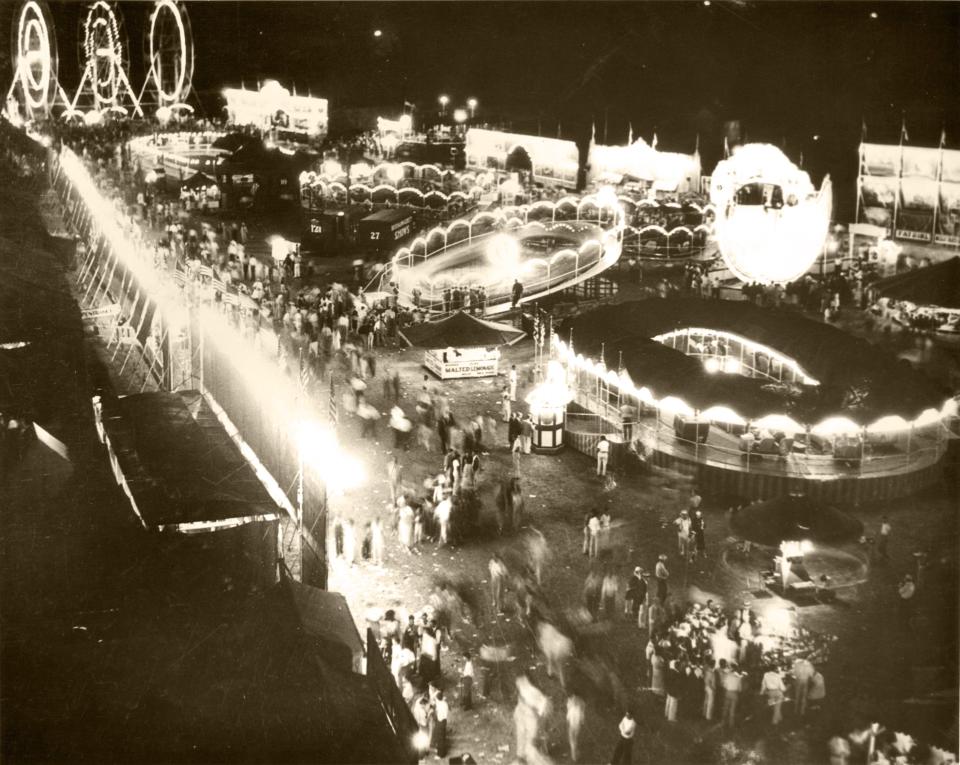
34,53
104,60
170,53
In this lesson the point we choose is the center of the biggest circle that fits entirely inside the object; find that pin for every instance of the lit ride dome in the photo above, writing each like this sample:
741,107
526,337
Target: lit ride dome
771,221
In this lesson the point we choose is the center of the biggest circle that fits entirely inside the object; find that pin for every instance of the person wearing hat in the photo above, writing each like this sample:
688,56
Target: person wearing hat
662,574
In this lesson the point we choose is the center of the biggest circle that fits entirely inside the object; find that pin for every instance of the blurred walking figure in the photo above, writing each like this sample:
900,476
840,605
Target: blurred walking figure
536,545
532,706
498,575
513,382
376,541
557,649
608,593
395,476
576,711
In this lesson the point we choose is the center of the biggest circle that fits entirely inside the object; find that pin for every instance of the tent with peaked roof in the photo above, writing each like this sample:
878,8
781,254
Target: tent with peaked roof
461,345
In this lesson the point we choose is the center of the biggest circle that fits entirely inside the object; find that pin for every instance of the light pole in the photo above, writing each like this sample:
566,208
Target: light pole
472,106
444,100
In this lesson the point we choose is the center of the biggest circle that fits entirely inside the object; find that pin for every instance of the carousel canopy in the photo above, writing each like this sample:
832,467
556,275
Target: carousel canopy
936,285
460,331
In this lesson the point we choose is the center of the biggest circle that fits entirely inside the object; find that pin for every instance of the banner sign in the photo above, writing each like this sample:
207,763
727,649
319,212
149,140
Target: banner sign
918,194
920,163
880,160
97,313
950,167
879,192
460,368
948,216
915,236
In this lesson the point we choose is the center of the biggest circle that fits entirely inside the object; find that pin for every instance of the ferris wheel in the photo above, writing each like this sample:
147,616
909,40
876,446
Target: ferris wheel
33,44
169,53
104,84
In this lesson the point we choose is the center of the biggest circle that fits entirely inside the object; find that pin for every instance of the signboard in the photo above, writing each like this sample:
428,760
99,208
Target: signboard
433,360
97,313
953,241
916,236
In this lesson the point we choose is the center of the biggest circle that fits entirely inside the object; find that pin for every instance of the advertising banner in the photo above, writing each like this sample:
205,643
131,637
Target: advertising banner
951,167
948,216
920,163
878,197
918,194
880,160
488,367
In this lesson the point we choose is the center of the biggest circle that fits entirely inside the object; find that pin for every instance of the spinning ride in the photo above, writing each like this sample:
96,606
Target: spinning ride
493,249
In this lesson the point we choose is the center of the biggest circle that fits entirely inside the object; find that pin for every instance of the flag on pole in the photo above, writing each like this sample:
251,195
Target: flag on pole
863,130
653,143
630,134
904,136
218,285
943,137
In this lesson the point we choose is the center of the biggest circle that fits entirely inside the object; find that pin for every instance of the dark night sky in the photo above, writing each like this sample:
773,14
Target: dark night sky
787,70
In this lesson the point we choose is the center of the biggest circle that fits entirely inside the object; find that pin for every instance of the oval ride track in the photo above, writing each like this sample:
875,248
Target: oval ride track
549,256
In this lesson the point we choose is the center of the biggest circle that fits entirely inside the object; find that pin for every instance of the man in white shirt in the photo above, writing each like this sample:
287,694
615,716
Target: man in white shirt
513,383
623,753
603,455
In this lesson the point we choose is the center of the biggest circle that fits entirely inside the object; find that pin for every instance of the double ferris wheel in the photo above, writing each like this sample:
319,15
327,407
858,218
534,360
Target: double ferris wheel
104,87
